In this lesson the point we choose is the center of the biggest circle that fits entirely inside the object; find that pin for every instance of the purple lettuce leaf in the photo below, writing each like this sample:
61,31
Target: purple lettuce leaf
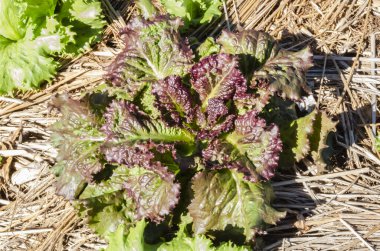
262,60
217,155
69,182
285,73
253,47
137,154
216,130
255,97
223,197
154,197
215,110
153,51
253,148
174,99
215,79
259,142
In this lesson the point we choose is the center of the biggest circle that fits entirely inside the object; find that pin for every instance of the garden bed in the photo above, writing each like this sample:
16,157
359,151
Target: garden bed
336,210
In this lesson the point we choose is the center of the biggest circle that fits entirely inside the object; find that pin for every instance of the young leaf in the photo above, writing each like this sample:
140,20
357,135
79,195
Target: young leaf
295,136
319,140
208,47
173,98
224,198
216,77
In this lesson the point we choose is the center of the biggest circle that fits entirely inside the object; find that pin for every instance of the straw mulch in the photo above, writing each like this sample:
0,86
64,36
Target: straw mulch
337,210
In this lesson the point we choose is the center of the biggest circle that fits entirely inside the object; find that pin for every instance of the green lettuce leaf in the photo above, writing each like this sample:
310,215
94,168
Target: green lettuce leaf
33,32
38,8
120,241
11,26
193,12
149,196
146,7
184,241
24,65
224,198
134,241
127,124
105,212
295,136
321,140
207,48
86,21
78,140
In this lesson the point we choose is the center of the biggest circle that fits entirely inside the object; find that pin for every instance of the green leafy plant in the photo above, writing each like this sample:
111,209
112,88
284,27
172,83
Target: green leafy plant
192,12
175,151
33,32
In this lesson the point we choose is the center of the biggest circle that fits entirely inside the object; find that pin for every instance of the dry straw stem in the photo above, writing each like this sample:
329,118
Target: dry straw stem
32,217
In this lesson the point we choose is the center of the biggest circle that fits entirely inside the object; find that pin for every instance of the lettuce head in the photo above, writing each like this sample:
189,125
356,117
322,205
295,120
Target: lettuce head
34,32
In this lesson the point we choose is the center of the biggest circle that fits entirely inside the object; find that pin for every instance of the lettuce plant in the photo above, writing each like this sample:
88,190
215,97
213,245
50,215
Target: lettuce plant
193,12
176,151
33,32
